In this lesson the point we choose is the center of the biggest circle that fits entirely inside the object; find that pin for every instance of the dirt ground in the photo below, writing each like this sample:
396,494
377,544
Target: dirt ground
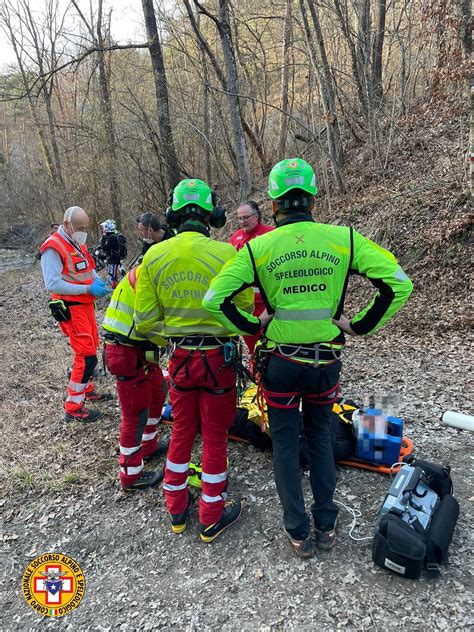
59,493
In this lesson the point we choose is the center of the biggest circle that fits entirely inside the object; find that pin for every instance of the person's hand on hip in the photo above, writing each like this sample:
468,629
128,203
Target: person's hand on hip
344,324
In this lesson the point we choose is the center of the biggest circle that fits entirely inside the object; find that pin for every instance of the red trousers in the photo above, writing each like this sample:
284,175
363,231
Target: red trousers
202,391
81,330
141,391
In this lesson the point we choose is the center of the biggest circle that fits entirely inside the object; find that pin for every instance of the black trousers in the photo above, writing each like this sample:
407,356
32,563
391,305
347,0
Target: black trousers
286,384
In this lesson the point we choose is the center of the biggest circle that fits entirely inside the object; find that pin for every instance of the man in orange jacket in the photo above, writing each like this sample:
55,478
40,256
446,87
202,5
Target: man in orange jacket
70,276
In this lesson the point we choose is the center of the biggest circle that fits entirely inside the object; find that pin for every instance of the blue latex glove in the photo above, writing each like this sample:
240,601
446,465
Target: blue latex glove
99,288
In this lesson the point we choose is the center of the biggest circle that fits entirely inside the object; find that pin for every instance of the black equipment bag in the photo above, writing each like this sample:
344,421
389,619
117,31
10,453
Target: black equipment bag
114,246
342,431
406,547
398,547
438,476
122,246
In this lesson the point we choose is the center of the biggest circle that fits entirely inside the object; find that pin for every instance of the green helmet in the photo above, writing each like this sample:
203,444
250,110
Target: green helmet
292,173
194,192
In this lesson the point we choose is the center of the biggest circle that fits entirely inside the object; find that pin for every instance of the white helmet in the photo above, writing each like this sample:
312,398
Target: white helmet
108,226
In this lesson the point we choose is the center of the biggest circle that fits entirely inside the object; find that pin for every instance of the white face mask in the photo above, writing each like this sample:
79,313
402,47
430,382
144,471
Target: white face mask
80,237
148,240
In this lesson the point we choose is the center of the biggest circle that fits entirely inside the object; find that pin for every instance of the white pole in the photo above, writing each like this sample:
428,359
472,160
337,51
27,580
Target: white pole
458,420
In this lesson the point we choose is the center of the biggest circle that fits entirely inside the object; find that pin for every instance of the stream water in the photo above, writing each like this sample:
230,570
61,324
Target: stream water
11,258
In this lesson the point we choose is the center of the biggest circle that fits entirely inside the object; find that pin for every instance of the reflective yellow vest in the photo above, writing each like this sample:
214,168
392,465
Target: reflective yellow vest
175,277
302,271
119,315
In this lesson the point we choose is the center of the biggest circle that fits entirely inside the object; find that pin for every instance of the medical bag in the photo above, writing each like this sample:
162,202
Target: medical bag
415,524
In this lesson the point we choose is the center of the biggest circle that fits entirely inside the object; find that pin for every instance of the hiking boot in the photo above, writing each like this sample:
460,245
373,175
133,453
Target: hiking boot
162,448
326,538
178,521
231,513
84,415
304,549
94,396
146,480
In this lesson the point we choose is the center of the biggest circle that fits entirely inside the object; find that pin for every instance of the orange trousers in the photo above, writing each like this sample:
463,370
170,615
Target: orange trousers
83,336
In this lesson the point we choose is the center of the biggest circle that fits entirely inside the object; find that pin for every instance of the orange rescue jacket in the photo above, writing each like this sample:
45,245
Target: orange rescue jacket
78,266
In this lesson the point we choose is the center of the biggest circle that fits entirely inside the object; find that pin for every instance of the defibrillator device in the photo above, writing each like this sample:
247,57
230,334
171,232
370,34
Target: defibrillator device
415,524
410,498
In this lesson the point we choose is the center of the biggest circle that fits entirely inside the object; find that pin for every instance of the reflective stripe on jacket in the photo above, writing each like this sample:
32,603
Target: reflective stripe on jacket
119,315
78,266
302,270
175,277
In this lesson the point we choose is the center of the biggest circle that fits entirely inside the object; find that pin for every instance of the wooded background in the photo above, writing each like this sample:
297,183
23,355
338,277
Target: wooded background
221,90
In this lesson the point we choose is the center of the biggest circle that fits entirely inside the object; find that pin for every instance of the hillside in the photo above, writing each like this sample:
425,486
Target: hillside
59,489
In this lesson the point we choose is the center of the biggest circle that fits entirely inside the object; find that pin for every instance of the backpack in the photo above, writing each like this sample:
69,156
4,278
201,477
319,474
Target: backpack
415,526
122,246
114,246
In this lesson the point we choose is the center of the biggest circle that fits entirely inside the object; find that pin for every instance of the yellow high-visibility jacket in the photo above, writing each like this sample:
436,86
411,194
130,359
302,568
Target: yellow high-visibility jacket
175,277
119,315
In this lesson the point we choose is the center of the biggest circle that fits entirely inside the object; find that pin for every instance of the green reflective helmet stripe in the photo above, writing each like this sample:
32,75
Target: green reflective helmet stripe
194,192
292,173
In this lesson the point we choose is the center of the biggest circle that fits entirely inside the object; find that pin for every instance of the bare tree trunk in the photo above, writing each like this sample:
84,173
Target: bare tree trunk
285,77
377,88
46,86
106,109
106,105
323,71
229,83
465,9
43,145
206,122
52,132
223,118
206,117
257,145
172,167
356,71
243,166
252,131
363,38
363,61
